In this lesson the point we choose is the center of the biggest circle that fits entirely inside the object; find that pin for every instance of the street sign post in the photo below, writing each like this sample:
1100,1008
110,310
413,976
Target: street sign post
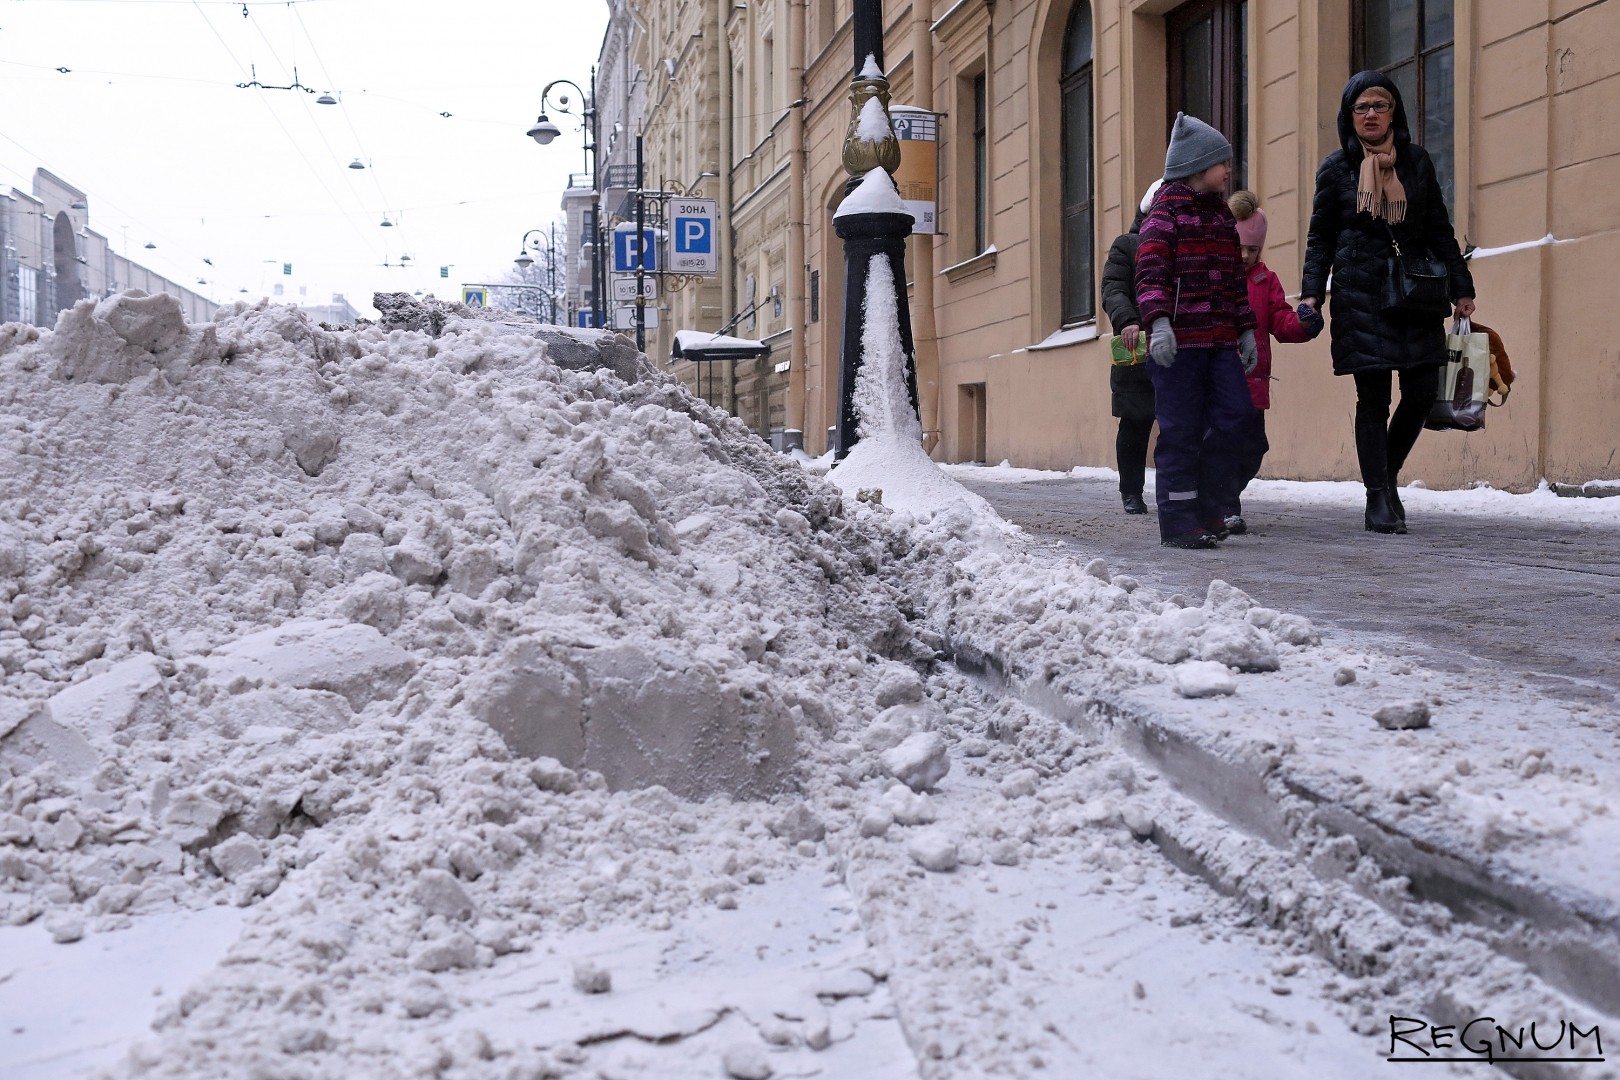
692,236
475,296
624,288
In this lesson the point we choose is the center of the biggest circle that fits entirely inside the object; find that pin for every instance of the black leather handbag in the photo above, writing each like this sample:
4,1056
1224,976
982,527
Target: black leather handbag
1416,283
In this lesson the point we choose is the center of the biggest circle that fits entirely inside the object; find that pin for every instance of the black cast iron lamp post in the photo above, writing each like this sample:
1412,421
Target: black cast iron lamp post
872,223
524,260
543,131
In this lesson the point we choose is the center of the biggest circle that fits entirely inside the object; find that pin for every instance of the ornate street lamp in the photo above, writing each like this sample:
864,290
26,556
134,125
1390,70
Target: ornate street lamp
869,234
524,260
543,131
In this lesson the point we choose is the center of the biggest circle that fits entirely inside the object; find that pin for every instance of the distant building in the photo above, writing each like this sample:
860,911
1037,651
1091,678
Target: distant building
51,259
338,311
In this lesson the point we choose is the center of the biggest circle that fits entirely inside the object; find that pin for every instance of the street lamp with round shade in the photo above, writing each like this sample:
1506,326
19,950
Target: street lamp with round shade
544,130
524,259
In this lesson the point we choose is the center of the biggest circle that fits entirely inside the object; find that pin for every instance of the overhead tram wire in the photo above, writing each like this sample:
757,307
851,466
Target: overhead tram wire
314,50
504,122
258,26
213,3
100,73
319,129
107,204
353,223
187,250
320,62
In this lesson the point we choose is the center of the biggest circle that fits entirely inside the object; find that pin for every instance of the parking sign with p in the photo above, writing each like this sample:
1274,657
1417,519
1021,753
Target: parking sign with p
628,251
692,228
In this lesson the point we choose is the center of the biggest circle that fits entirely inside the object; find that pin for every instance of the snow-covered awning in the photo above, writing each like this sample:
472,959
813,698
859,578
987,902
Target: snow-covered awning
700,345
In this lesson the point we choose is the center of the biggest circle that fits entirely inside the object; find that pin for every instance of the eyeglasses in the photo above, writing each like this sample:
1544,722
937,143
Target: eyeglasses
1362,108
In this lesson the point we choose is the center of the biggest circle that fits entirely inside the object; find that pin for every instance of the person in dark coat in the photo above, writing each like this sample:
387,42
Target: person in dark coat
1376,190
1131,385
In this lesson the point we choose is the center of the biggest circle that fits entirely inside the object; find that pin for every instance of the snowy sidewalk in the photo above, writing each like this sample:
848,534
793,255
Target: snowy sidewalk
1529,584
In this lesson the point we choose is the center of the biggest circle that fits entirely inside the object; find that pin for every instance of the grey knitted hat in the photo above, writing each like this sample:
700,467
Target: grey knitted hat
1194,147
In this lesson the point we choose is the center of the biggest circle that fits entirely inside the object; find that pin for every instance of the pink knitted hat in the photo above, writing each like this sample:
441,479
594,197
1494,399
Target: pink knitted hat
1252,229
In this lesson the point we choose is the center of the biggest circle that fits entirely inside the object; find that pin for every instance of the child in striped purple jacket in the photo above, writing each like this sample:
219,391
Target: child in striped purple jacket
1190,290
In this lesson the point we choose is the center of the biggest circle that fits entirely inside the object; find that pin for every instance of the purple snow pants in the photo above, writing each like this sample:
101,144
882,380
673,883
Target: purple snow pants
1203,402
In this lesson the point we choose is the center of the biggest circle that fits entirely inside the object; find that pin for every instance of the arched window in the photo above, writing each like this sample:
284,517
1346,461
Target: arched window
1079,217
69,281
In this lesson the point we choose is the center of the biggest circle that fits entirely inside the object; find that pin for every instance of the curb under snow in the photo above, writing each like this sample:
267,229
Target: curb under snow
1566,937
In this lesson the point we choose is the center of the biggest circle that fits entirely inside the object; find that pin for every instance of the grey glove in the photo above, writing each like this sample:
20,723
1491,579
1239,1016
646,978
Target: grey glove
1247,351
1162,343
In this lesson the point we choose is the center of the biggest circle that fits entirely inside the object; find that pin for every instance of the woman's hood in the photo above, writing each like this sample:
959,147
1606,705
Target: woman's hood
1353,89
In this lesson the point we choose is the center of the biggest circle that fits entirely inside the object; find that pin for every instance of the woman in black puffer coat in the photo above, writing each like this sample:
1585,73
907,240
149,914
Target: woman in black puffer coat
1380,187
1131,385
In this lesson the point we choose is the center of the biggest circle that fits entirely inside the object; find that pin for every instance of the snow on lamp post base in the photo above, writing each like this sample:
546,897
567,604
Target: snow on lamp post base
877,320
873,223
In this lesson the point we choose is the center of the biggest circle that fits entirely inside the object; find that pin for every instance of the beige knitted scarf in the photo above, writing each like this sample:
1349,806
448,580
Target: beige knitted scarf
1378,189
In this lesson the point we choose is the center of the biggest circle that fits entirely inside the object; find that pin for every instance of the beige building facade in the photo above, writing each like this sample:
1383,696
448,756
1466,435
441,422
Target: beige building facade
1054,116
720,124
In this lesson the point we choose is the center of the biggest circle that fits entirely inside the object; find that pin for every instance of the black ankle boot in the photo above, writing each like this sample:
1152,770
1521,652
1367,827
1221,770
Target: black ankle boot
1395,499
1134,503
1381,516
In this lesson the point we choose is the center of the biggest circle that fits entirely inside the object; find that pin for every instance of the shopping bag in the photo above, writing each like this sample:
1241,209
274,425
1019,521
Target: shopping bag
1464,382
1121,356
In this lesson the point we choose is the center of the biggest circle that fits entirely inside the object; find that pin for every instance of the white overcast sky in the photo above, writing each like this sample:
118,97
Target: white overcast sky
149,121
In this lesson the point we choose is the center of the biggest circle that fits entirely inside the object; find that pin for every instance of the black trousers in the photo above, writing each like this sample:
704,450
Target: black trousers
1132,389
1384,441
1130,452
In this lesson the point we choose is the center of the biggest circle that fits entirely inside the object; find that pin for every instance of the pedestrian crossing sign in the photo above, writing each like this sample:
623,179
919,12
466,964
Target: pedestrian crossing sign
474,296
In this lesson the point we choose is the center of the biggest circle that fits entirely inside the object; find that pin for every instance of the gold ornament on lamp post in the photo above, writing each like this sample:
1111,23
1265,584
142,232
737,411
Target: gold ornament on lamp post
861,156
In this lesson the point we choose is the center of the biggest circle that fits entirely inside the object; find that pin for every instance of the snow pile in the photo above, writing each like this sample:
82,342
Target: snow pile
429,639
266,580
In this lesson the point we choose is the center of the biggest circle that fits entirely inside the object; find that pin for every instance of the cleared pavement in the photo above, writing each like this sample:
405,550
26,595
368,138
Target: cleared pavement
1541,600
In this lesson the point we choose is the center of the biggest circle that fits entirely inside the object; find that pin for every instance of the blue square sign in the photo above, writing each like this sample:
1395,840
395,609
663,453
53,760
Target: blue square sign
624,250
694,236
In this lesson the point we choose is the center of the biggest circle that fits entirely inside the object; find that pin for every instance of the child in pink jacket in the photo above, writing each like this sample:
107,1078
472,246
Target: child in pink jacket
1273,318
